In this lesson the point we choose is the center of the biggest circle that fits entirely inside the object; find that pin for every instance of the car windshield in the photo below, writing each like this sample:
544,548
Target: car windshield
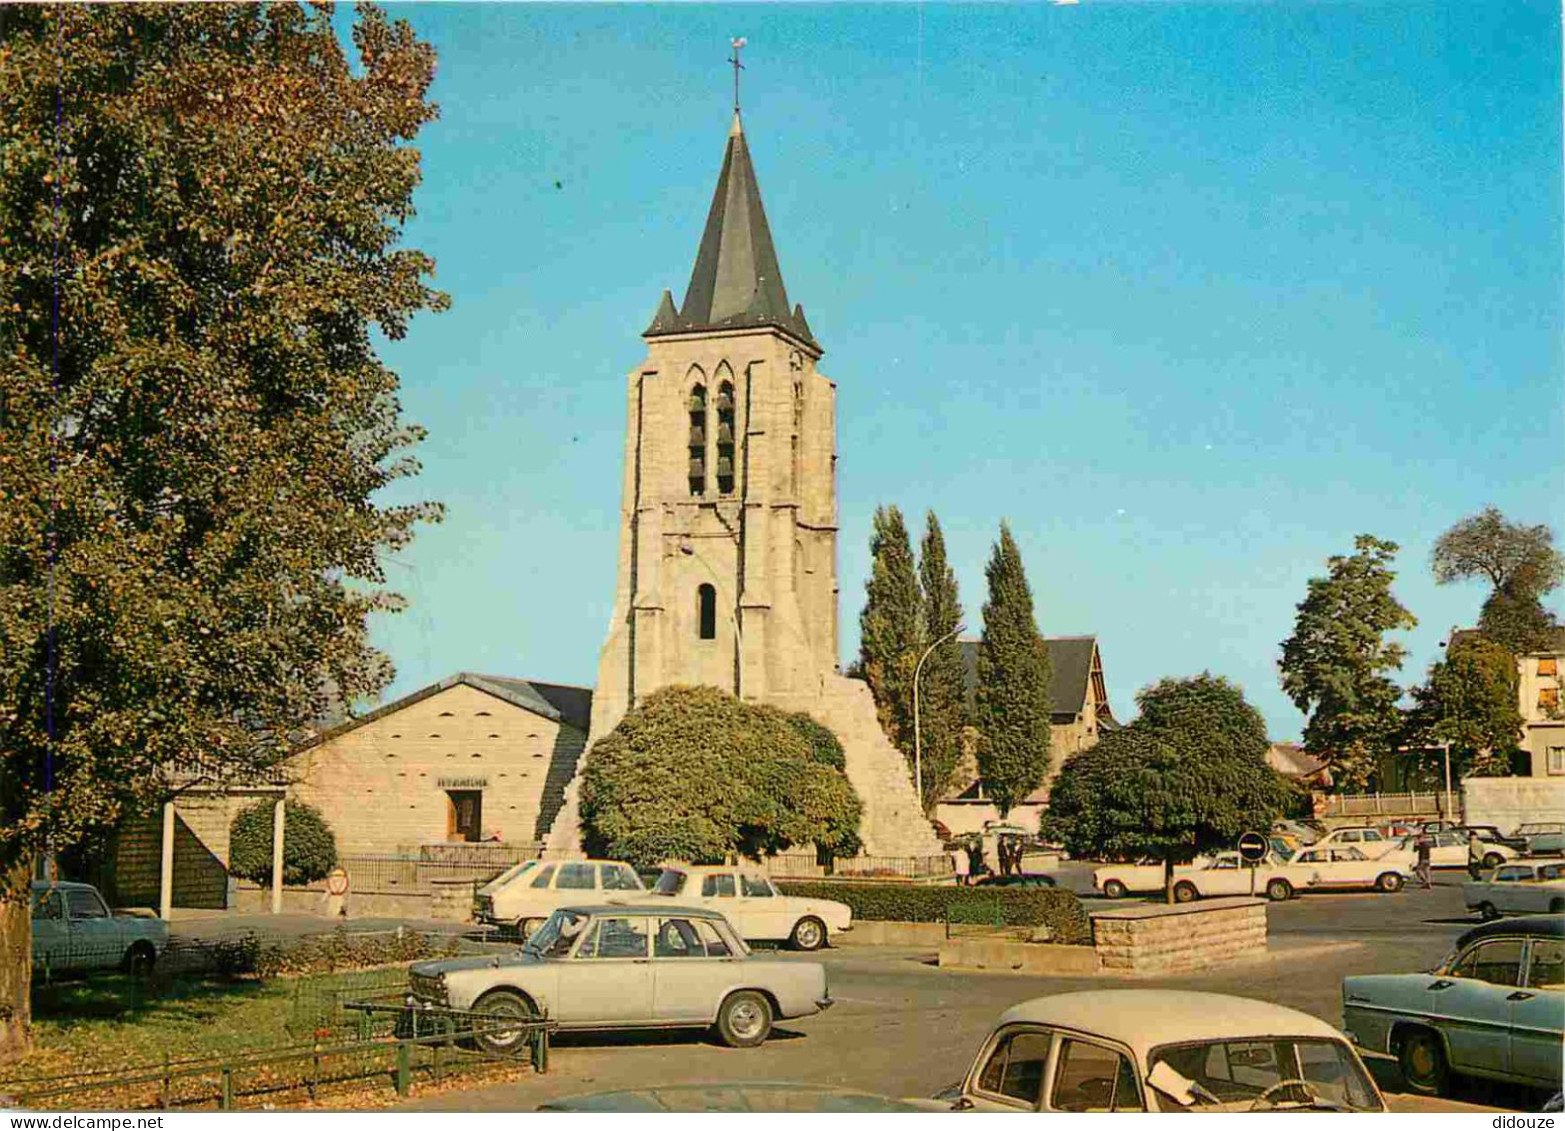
671,882
556,937
1297,1072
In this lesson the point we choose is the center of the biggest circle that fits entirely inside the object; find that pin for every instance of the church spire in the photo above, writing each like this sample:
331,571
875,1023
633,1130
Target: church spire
736,281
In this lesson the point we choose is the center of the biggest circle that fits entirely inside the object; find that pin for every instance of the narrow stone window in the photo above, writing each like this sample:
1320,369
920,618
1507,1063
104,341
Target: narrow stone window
725,439
706,612
697,441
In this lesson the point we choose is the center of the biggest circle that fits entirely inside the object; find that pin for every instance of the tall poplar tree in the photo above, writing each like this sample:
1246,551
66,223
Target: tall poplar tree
942,698
1012,707
891,628
200,214
1335,667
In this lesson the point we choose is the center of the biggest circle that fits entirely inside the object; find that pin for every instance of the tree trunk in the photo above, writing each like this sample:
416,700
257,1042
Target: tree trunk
1168,880
16,959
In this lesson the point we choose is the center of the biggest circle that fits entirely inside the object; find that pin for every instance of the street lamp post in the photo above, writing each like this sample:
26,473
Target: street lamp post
918,735
1450,813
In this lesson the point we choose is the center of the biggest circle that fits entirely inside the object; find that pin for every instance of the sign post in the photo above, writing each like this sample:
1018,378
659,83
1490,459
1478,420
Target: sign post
1252,850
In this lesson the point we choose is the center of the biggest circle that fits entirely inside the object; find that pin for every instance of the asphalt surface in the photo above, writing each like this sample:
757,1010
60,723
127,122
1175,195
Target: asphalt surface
904,1027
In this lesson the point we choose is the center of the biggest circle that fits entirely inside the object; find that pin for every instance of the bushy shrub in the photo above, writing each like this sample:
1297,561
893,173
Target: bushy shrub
309,849
824,746
1058,910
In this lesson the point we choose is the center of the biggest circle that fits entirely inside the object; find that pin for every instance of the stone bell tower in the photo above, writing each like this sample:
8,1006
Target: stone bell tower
728,525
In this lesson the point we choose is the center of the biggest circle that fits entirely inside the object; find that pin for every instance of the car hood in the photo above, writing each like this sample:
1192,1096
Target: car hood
437,967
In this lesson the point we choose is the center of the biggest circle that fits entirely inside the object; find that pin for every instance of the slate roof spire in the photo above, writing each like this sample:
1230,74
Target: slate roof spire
736,281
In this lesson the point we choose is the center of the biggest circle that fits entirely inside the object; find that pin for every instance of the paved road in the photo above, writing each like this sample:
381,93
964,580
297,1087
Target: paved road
904,1027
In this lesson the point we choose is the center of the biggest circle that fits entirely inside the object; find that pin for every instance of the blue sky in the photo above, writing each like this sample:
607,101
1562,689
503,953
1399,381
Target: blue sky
1191,294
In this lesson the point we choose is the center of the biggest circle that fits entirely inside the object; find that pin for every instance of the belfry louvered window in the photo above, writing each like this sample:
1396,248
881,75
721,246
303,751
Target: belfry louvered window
697,441
725,439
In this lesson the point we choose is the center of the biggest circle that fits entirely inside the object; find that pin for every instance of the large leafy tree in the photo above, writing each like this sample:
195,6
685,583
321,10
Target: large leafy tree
200,213
1521,566
942,703
1012,709
693,773
1469,703
891,628
1335,667
1188,776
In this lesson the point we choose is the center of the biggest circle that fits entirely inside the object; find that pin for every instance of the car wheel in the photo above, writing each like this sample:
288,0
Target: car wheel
744,1019
1279,890
139,960
1185,892
809,933
1114,889
1493,860
1488,911
503,1004
1423,1063
525,927
1389,881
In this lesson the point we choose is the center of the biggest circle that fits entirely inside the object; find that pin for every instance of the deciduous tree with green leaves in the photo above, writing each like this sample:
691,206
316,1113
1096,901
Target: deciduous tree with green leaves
1521,566
1335,667
891,629
200,214
1469,702
1012,708
942,701
693,773
1188,776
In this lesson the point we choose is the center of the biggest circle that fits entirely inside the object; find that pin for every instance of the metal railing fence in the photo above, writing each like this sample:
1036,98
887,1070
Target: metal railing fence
872,869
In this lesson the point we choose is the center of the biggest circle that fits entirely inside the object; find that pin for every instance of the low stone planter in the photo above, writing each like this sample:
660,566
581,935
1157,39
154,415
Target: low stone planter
1157,938
1019,957
874,932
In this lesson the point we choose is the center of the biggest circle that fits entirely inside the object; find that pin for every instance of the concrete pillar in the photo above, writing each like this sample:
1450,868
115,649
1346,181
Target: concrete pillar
166,866
279,811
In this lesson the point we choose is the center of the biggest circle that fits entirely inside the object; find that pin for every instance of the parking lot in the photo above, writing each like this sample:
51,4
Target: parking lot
904,1027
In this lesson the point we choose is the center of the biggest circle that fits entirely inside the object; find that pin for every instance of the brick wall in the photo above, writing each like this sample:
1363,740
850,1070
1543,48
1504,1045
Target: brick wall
1162,939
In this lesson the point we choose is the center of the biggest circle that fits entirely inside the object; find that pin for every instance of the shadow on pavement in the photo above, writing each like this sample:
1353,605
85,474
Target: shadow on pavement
1464,1089
654,1037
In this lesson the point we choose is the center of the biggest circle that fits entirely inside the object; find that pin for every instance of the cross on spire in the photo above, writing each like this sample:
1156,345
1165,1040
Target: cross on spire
738,45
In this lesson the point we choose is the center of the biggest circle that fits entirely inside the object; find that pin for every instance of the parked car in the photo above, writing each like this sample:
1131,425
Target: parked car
1119,880
752,903
1448,850
1544,838
743,1096
531,894
1344,867
1490,834
1520,888
617,966
1495,1008
1227,874
73,929
1369,840
1163,1050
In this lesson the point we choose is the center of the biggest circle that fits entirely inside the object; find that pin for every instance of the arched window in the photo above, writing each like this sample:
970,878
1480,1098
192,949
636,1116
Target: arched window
725,439
706,612
697,440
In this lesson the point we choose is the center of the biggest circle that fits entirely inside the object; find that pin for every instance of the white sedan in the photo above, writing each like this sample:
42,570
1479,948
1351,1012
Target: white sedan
1449,850
1346,867
1162,1050
751,902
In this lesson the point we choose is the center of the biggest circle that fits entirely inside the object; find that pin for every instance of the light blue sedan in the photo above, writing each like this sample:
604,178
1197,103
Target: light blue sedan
1495,1008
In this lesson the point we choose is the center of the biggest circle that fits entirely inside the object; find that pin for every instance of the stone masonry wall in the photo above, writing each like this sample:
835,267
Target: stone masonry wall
1161,939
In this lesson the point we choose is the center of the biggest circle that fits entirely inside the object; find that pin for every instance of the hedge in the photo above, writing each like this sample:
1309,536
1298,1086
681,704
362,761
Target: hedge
1054,908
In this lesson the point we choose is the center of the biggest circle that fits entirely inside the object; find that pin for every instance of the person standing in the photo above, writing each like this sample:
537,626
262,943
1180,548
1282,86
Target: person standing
1424,849
1474,856
959,863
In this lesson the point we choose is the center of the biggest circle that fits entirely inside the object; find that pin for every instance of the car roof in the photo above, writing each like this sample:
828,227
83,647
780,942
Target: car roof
1544,926
1145,1019
62,885
645,906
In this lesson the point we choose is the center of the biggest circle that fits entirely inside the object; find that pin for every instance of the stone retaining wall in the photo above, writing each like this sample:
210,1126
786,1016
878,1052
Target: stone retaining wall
1015,957
1162,938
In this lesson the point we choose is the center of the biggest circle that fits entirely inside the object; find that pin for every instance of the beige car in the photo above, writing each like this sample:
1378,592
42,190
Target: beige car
751,902
1162,1050
528,894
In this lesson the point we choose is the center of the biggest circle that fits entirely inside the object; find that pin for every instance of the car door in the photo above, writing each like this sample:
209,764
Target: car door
720,892
1011,1071
95,937
575,882
608,979
1470,1004
51,931
1091,1075
1538,1015
768,914
1505,889
690,962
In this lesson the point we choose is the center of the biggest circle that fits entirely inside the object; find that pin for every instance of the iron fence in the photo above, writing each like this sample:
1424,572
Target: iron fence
1384,805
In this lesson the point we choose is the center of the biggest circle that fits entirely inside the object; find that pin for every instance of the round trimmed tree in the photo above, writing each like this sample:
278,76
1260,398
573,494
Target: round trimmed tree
693,773
309,849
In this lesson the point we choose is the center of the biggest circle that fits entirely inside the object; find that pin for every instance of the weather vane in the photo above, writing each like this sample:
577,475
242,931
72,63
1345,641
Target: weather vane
738,45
